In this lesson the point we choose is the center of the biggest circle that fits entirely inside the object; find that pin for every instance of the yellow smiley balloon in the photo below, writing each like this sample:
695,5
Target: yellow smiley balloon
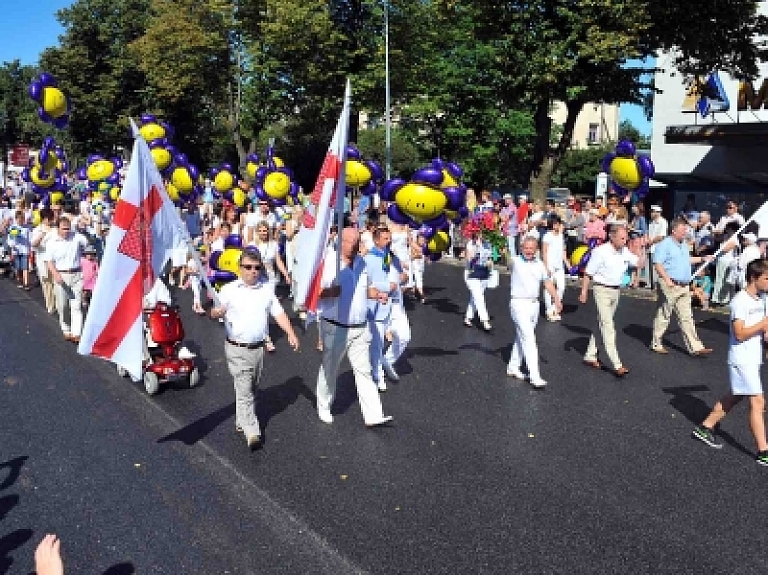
277,185
99,170
54,102
223,182
357,173
229,260
420,202
626,173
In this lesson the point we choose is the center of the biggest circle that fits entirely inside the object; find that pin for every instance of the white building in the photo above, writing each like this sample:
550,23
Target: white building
709,139
596,124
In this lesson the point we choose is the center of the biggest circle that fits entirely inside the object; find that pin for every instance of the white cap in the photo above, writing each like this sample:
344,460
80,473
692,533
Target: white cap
506,197
656,208
522,197
751,238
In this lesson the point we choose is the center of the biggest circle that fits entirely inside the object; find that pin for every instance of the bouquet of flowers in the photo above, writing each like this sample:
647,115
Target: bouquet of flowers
484,223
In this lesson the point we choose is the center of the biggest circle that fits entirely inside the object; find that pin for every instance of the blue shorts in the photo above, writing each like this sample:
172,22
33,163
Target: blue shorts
21,263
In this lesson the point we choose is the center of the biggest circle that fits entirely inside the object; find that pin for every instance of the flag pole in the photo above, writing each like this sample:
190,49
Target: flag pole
724,244
341,183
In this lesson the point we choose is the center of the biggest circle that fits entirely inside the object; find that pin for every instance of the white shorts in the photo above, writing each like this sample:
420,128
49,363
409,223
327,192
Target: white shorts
179,257
745,379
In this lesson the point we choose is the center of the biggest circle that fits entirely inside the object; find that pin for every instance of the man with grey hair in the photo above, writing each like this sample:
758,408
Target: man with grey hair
245,304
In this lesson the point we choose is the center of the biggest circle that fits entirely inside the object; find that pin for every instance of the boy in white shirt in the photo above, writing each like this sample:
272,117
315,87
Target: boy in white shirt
749,326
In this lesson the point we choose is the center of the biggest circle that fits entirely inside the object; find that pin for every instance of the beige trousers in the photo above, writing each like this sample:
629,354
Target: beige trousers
606,301
675,299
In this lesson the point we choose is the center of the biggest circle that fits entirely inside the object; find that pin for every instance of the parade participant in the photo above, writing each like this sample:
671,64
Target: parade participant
195,281
381,275
574,227
217,243
90,266
657,232
66,249
725,281
748,328
398,327
19,243
672,262
555,261
366,237
39,239
344,305
400,247
638,239
528,274
750,252
245,305
270,258
594,229
509,223
264,214
606,269
479,261
418,262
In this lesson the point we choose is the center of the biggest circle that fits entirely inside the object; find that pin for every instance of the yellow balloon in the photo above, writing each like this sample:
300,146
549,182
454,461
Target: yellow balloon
277,185
104,187
420,202
626,173
251,168
182,180
173,192
50,163
162,158
54,102
239,197
57,197
152,131
39,180
114,193
36,218
577,254
278,162
439,242
223,182
229,260
357,173
448,180
99,170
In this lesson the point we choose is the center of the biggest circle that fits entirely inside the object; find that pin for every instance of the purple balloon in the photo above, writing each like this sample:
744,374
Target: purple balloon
368,189
260,193
435,257
429,175
47,79
252,158
376,173
606,165
463,212
427,231
646,166
261,173
455,170
389,189
394,214
353,153
438,222
625,148
456,198
147,118
35,90
233,241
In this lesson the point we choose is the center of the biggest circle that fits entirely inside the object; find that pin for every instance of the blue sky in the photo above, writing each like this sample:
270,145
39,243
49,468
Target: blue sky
29,28
635,114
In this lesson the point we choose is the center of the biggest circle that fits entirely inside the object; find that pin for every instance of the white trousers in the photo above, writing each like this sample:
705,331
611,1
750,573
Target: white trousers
69,295
525,316
194,283
511,247
401,334
378,329
417,274
477,300
354,342
558,278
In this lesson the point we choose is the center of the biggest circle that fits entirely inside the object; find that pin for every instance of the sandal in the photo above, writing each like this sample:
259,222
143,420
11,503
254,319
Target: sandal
269,345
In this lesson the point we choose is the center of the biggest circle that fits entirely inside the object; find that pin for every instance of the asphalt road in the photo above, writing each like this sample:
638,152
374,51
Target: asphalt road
480,473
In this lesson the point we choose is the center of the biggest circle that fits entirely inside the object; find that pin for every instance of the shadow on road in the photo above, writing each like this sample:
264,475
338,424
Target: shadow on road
17,538
445,305
197,430
714,324
696,410
272,401
644,334
121,569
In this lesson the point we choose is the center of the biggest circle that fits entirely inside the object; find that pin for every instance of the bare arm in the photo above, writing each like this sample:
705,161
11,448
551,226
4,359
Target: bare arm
584,288
285,324
549,285
743,333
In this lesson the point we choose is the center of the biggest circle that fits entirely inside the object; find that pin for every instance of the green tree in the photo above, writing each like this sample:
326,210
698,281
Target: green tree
21,124
578,169
405,155
628,131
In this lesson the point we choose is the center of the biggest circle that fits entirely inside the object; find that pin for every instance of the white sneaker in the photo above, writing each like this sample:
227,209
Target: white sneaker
325,416
385,419
381,384
391,373
538,383
556,317
516,373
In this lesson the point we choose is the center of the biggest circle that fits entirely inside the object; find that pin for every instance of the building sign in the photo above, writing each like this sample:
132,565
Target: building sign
706,96
19,155
748,99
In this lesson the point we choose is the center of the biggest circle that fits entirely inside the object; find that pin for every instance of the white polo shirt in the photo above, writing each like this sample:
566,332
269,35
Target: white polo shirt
555,248
248,307
607,266
526,278
351,307
66,253
657,228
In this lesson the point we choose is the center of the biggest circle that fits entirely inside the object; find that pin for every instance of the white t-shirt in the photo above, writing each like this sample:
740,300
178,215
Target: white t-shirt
268,253
66,253
555,248
248,308
657,229
751,311
533,220
217,245
607,266
158,293
526,278
351,308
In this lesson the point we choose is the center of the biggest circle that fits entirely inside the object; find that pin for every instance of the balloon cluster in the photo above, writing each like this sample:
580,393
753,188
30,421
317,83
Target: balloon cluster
183,179
224,265
362,175
580,257
54,107
46,172
630,173
226,183
158,135
102,175
273,182
427,202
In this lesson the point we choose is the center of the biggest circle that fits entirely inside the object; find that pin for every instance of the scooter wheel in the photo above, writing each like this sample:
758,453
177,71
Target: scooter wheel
151,383
194,377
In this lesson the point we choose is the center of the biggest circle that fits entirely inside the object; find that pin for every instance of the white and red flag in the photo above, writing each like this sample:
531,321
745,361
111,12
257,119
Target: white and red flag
145,229
327,197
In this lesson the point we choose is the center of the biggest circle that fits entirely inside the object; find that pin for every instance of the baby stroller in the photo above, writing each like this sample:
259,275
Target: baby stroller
164,360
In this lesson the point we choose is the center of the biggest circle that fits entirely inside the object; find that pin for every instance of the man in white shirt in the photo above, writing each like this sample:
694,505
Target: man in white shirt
527,276
264,214
344,308
658,228
731,215
554,257
245,304
65,251
606,268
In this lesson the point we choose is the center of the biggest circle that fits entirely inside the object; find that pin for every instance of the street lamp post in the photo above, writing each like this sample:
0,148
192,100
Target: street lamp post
3,147
387,110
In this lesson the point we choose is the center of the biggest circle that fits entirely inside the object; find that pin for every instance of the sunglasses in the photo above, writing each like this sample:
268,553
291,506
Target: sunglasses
65,229
250,267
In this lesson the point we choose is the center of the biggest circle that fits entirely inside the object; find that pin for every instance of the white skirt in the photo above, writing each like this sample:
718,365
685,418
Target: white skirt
745,379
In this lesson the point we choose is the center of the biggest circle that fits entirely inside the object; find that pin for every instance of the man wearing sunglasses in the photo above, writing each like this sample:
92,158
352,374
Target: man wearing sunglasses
245,305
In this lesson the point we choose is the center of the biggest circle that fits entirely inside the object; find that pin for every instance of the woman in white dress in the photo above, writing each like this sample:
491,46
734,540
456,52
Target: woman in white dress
400,246
270,258
479,262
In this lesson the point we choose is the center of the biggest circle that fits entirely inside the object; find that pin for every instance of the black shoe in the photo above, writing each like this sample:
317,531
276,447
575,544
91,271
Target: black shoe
708,436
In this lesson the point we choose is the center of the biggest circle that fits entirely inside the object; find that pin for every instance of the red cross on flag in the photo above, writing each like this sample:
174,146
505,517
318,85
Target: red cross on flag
145,229
328,195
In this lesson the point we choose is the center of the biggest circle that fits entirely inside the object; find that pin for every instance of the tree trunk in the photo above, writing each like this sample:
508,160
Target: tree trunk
545,156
